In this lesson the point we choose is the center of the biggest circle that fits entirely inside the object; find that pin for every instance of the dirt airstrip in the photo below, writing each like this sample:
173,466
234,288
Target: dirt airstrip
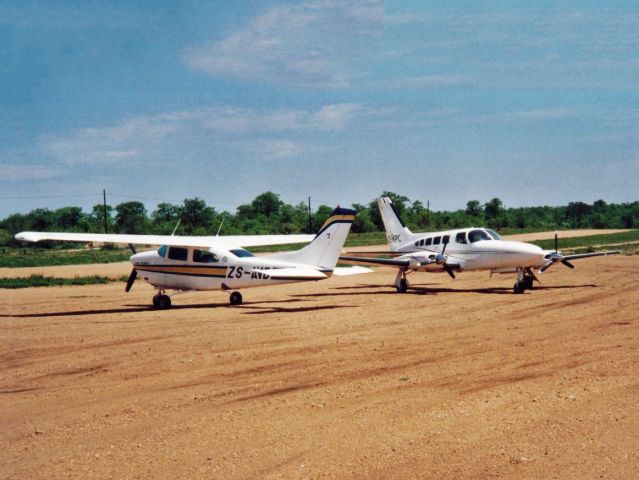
337,379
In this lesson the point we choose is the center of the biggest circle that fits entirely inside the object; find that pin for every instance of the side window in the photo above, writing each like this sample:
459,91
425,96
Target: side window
429,240
178,253
162,251
204,256
461,238
421,242
417,243
436,240
446,239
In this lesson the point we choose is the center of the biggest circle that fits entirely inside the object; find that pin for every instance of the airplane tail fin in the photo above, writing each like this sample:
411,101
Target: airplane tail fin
325,249
396,232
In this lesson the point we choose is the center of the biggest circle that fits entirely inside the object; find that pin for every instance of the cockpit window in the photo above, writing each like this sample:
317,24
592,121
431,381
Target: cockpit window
178,253
461,238
240,252
493,234
162,251
477,235
204,256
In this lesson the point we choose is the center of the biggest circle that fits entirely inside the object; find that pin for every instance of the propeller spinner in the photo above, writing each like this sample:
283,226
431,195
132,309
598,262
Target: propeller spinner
555,257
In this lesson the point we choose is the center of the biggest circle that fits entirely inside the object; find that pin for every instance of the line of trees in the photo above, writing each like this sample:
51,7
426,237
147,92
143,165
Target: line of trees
268,214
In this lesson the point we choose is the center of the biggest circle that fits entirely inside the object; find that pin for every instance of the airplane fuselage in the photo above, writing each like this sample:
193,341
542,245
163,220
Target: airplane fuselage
181,268
467,249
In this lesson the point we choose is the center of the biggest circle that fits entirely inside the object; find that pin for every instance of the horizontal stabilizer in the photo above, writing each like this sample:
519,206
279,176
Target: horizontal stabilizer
345,271
297,273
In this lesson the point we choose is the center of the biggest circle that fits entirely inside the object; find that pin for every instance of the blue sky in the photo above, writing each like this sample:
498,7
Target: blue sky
532,102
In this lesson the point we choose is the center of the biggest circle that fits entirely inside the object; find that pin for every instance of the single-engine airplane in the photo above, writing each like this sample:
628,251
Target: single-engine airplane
221,263
462,249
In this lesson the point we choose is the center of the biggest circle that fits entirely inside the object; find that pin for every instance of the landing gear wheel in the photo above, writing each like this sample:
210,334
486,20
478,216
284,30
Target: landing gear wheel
236,298
162,302
528,283
519,287
402,286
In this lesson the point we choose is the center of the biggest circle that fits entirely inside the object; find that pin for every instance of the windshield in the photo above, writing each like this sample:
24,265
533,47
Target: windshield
162,251
477,235
493,234
241,253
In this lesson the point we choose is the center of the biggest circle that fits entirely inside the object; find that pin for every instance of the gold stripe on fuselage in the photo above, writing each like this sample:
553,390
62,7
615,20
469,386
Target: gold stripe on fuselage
183,269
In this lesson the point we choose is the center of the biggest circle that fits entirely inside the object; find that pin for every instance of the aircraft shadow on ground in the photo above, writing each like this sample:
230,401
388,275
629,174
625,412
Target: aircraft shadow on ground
420,290
264,310
141,308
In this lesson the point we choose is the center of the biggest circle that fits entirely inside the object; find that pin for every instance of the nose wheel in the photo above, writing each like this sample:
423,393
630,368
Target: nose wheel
525,281
162,301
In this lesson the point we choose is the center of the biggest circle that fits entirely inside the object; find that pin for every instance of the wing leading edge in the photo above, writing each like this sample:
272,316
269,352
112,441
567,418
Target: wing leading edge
182,241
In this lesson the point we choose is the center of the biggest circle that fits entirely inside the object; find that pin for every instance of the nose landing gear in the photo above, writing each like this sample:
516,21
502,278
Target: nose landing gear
161,301
525,279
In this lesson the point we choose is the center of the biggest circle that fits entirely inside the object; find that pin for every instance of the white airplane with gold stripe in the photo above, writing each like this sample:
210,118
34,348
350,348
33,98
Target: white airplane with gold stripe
221,262
462,249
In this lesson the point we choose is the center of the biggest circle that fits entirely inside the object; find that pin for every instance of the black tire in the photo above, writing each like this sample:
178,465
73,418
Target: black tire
402,286
519,287
236,298
528,283
155,300
163,302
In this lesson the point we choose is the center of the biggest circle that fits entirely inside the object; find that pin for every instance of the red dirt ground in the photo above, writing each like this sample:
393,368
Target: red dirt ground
337,379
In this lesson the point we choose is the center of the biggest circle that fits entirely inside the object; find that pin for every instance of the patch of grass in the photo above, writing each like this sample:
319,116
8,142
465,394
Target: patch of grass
604,239
42,281
40,257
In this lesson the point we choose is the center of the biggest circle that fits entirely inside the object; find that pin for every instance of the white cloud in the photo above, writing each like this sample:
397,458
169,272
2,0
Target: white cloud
303,45
134,138
27,172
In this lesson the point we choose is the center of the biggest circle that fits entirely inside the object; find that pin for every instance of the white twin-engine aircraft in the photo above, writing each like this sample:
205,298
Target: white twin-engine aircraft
221,262
462,249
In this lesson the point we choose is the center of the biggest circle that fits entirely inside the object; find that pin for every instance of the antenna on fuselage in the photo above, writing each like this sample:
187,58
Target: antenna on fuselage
176,227
220,227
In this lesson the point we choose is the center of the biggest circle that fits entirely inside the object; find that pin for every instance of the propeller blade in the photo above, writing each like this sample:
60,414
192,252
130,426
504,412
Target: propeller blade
449,270
132,247
546,266
129,282
568,264
556,243
444,249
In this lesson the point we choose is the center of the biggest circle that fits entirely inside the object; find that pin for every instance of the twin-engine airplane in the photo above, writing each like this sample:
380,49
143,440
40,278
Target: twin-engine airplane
221,262
462,249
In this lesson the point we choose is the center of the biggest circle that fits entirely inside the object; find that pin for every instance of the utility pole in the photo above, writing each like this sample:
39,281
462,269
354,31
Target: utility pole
106,223
310,219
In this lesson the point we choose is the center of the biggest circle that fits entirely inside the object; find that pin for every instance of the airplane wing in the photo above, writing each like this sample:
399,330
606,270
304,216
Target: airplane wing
181,241
592,254
376,261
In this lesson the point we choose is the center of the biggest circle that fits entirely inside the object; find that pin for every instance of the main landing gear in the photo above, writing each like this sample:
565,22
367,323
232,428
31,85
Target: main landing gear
401,284
235,298
162,301
525,279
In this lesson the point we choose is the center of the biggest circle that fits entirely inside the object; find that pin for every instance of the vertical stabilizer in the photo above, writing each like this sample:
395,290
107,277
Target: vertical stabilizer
396,232
325,249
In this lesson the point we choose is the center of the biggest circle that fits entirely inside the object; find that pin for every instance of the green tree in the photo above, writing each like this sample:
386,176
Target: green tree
473,208
197,217
267,203
131,217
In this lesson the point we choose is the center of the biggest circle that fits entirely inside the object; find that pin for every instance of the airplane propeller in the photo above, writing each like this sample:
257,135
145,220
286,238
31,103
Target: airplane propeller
442,259
555,257
129,282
